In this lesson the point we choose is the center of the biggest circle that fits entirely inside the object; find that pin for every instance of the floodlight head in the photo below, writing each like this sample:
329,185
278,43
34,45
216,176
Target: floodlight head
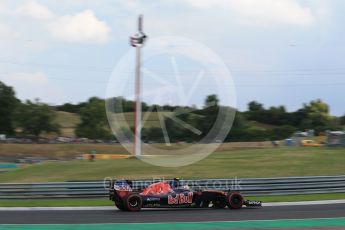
139,38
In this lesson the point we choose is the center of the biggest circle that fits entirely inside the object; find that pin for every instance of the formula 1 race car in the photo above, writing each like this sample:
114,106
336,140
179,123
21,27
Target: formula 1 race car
172,194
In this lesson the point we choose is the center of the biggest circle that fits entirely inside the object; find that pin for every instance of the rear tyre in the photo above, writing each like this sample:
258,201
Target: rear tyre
133,202
235,200
120,205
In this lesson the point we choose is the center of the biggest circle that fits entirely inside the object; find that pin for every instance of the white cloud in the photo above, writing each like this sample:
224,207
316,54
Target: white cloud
27,77
81,27
32,86
7,33
35,10
262,12
131,4
2,8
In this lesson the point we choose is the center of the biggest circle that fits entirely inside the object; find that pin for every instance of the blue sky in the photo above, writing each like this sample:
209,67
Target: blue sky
280,52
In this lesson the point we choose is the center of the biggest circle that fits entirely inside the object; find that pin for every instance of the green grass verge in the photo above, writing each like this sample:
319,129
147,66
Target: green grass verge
279,162
291,198
55,202
106,202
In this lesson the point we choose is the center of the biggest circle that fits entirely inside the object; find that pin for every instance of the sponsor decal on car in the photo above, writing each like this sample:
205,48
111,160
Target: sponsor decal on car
152,205
181,198
253,203
153,199
123,188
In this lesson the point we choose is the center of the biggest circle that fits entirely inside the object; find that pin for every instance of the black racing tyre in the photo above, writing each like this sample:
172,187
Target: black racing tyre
235,200
120,205
219,204
133,202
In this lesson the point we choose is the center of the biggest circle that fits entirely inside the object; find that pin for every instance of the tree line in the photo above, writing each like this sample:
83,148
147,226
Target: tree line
257,123
29,118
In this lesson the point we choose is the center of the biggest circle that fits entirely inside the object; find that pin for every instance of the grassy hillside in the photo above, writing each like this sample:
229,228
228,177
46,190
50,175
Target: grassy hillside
261,125
271,162
149,119
68,121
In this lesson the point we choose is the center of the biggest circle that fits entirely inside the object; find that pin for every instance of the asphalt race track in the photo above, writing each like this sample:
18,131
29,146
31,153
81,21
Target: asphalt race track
171,215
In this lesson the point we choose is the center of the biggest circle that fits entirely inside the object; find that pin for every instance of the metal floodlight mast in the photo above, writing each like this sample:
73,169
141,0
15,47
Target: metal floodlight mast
138,41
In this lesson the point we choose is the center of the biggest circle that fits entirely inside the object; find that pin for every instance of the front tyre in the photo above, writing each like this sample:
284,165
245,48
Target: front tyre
235,200
133,202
